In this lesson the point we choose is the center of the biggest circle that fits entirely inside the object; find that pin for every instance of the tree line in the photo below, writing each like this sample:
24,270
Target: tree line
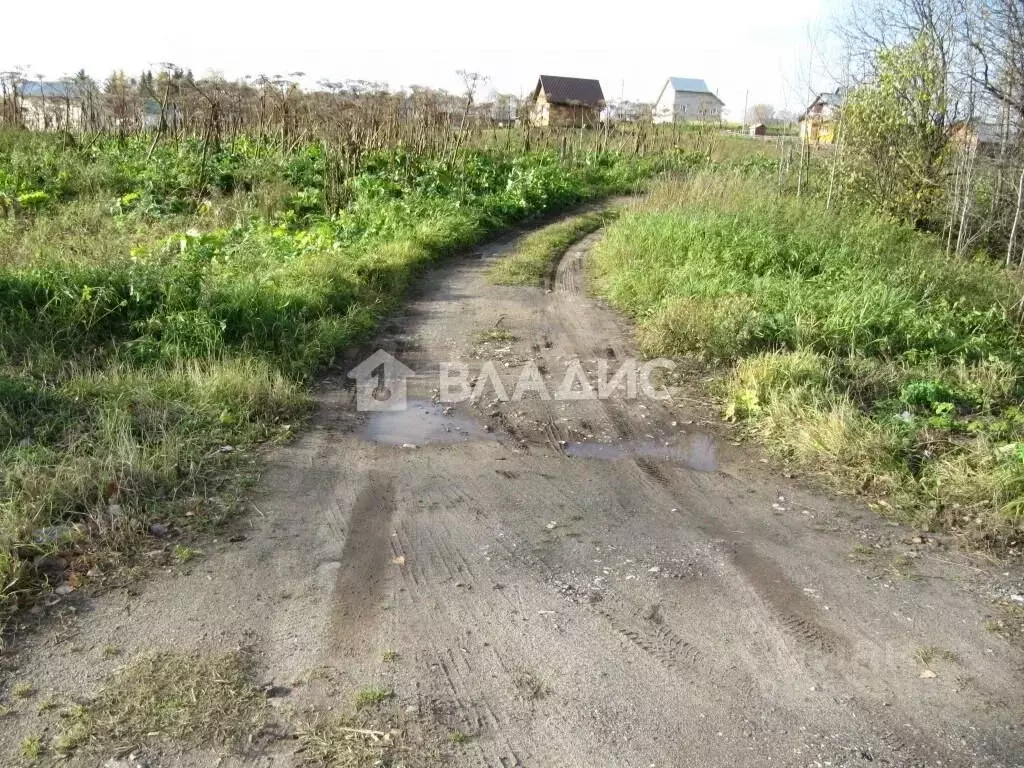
932,129
173,102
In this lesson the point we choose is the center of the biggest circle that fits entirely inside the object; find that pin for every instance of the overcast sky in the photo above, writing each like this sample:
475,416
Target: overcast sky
630,45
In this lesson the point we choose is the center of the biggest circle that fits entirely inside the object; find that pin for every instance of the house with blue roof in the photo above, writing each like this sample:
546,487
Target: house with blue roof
44,89
50,105
687,99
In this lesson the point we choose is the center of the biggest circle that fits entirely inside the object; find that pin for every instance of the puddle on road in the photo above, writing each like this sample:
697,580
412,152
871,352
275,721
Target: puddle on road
698,452
422,423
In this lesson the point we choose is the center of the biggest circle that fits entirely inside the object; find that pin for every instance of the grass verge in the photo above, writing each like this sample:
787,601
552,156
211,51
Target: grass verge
851,344
537,253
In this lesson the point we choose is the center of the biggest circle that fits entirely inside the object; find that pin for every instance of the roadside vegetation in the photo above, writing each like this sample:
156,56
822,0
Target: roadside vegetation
850,342
537,254
862,301
167,298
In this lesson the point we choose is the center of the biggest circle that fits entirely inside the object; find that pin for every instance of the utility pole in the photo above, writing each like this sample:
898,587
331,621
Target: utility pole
743,120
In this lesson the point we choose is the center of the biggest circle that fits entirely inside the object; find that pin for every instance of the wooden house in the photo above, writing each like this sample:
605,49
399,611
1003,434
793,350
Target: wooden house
572,102
819,122
687,99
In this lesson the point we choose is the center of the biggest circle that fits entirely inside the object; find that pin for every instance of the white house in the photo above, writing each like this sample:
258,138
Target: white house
687,99
49,106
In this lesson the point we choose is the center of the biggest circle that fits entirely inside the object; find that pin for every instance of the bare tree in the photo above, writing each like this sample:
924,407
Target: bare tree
472,82
760,113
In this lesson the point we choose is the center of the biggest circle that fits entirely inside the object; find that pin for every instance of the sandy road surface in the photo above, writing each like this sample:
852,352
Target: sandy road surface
576,583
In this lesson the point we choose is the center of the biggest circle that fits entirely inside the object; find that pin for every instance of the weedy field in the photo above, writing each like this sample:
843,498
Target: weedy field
163,305
851,343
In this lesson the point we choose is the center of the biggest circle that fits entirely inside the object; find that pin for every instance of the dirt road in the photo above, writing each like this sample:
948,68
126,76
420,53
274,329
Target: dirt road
577,582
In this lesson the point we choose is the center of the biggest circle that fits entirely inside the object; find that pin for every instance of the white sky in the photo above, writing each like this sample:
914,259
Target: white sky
630,45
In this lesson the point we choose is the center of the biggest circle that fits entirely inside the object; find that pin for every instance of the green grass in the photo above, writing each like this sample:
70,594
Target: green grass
862,552
497,335
160,316
851,343
371,697
32,748
1010,621
536,254
210,700
183,554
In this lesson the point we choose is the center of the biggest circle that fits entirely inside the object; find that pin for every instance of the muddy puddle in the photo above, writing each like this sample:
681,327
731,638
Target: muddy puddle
698,452
422,423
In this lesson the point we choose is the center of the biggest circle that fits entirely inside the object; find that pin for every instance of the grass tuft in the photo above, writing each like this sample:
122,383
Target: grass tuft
531,686
371,738
371,697
183,554
32,747
22,690
927,654
495,335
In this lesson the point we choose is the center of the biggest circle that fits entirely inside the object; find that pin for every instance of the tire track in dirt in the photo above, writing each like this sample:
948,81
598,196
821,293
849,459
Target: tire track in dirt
444,574
569,281
458,665
362,574
784,601
568,273
646,629
667,612
791,608
743,644
785,604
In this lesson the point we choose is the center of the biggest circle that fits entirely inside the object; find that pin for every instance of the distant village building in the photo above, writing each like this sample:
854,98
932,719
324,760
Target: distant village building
985,137
686,99
759,129
49,105
819,121
626,112
504,109
566,102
